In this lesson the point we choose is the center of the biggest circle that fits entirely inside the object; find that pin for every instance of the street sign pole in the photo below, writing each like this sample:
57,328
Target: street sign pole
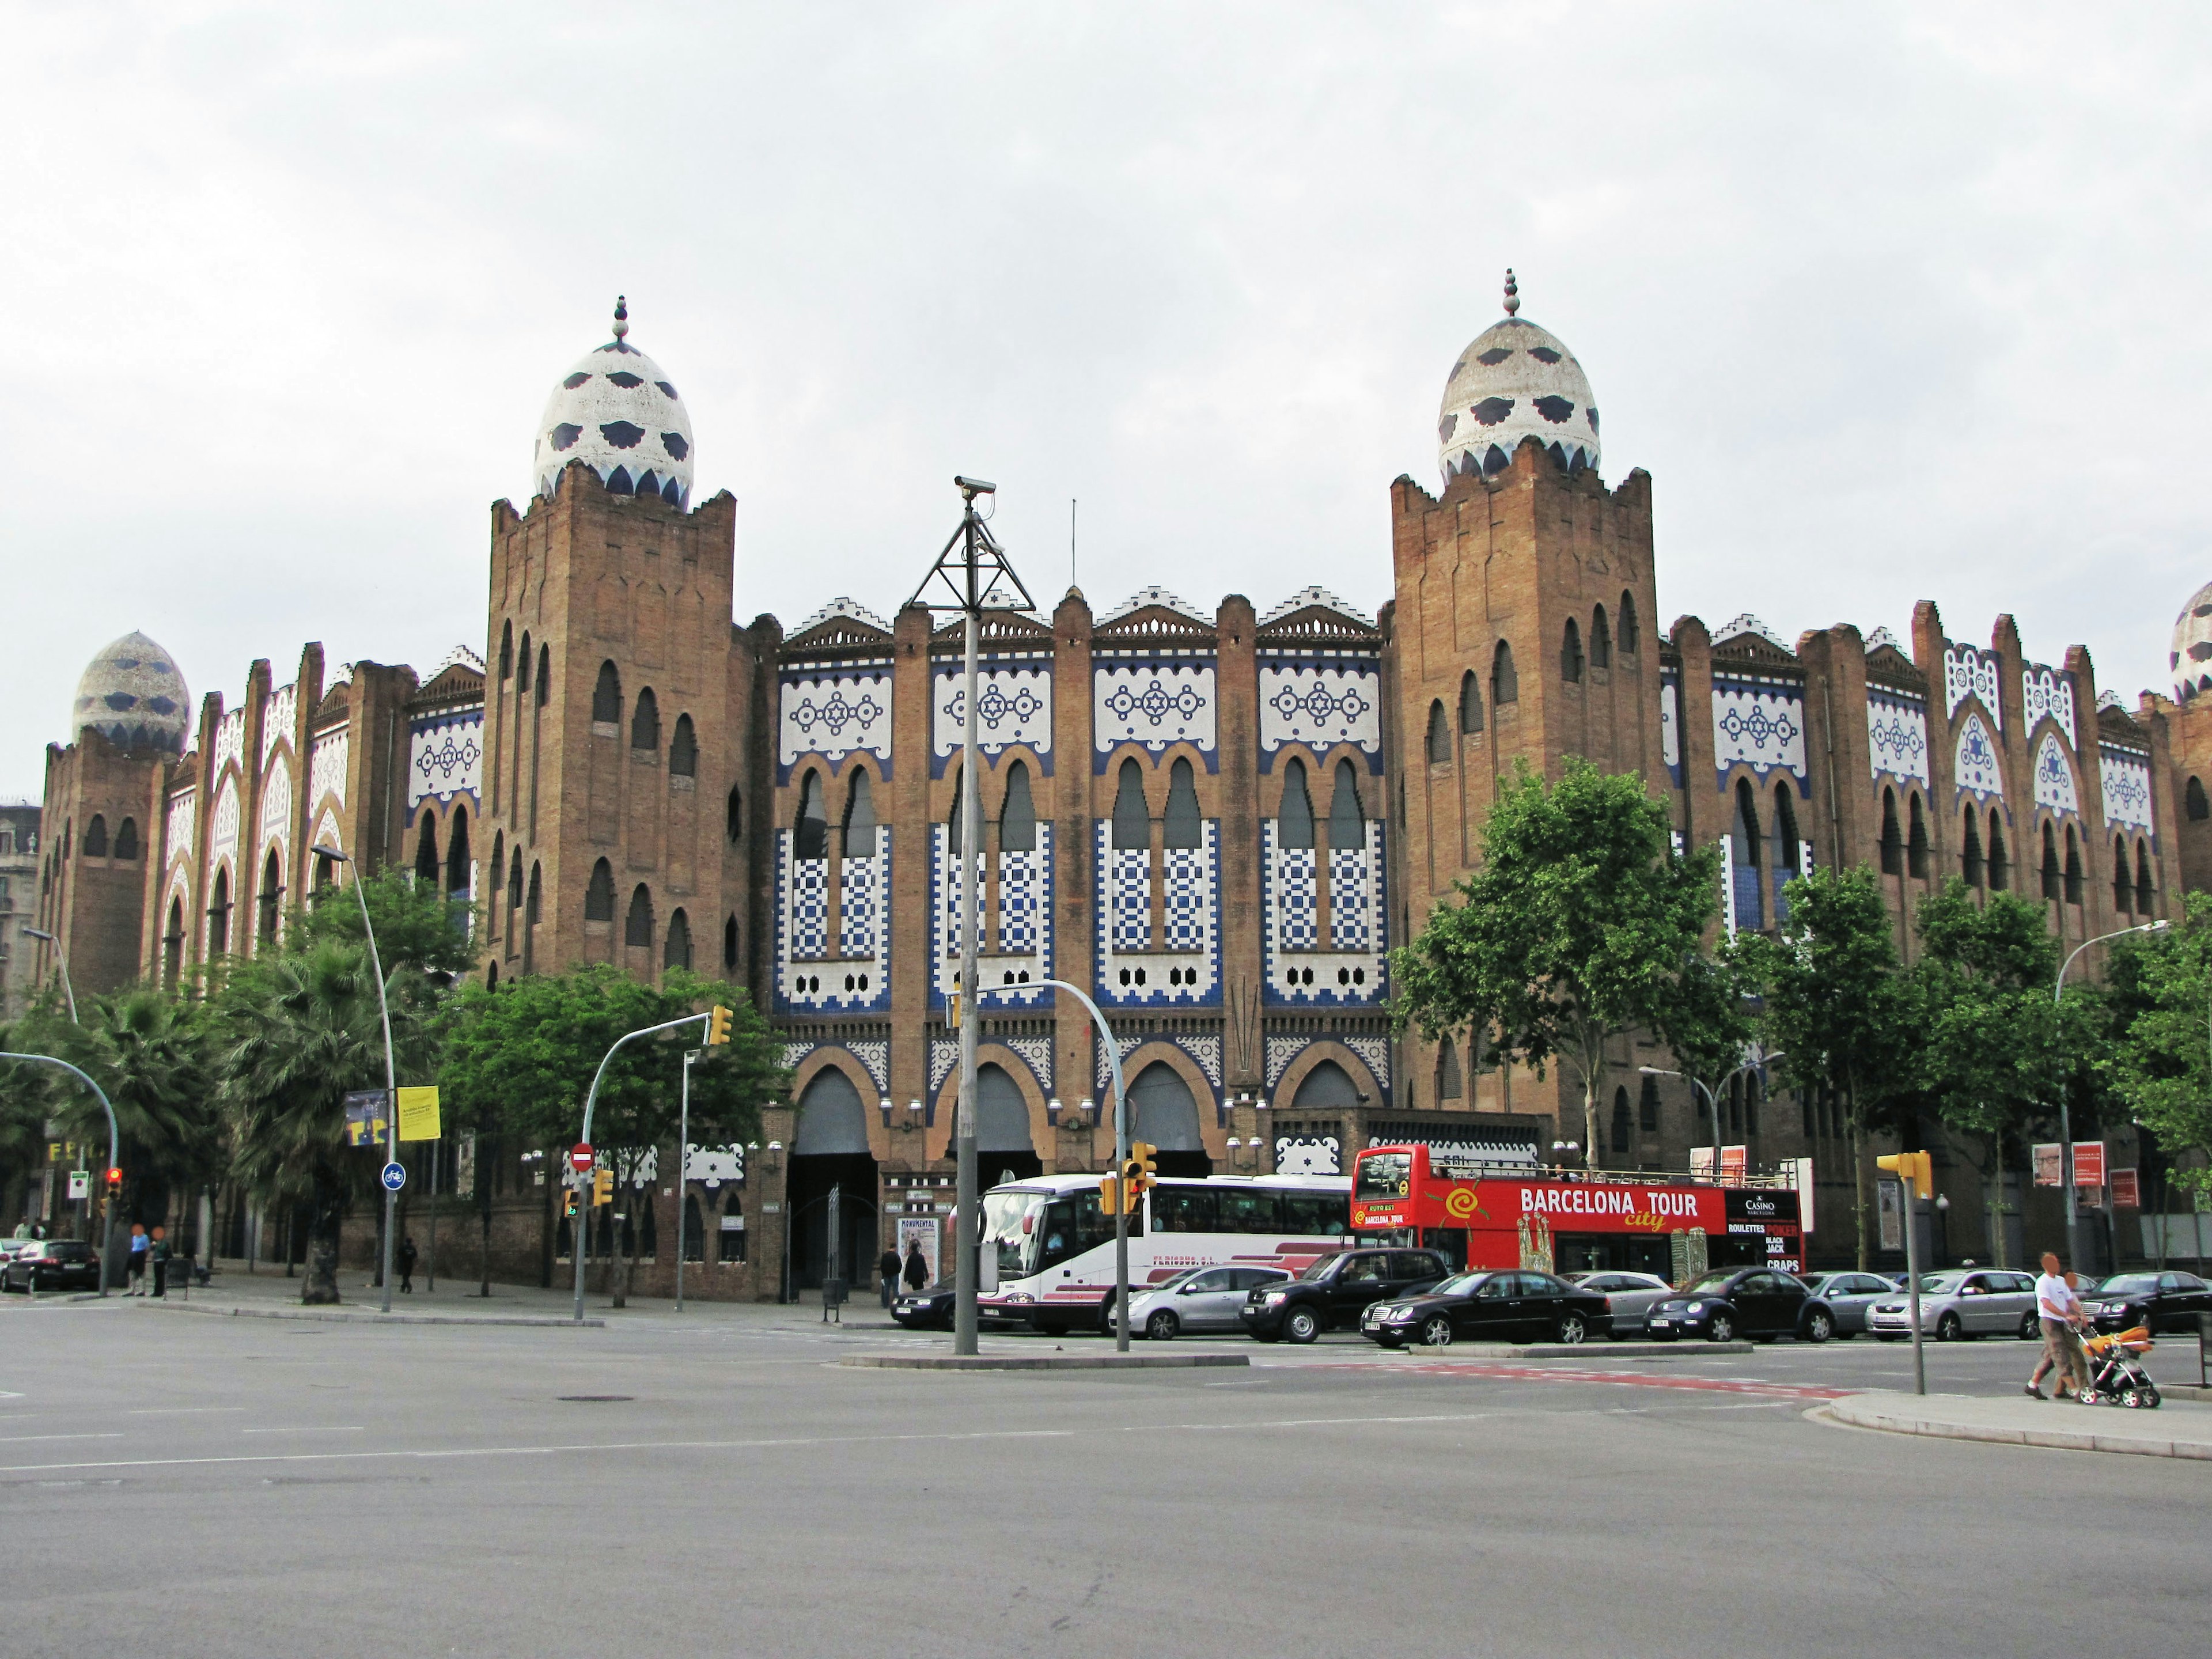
1912,1281
114,1154
683,1178
580,1235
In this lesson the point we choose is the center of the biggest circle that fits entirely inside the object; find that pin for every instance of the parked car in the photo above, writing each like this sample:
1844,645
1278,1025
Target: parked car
1336,1289
1628,1297
1196,1301
1731,1302
1497,1304
2163,1301
1848,1296
929,1309
1962,1303
52,1264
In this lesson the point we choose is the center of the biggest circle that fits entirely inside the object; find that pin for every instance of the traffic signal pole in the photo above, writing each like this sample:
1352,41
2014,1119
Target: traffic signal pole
114,1156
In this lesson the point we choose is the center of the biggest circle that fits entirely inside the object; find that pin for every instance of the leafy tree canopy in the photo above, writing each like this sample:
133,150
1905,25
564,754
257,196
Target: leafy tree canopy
416,926
2161,1065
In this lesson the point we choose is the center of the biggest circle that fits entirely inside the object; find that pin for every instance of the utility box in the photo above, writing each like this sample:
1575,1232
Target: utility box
835,1292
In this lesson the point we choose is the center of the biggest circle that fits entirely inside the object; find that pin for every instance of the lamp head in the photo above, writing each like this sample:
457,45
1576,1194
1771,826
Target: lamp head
40,934
330,854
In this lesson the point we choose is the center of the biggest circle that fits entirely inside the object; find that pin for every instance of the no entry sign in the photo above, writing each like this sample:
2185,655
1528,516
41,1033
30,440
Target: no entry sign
579,1156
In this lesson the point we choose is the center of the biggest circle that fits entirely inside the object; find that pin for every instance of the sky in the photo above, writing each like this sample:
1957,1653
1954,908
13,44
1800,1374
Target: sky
1893,302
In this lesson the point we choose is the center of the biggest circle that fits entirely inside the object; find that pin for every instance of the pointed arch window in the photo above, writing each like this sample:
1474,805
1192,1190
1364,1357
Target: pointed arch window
1348,826
678,952
810,836
271,895
684,749
2146,894
695,1231
637,926
1970,849
522,667
1600,643
1294,823
956,817
598,893
1788,851
1647,1103
1750,908
514,882
1892,839
2194,801
219,914
458,882
1504,684
606,696
734,822
1451,1083
1133,824
426,853
545,678
1180,827
95,837
1470,704
1629,631
2073,868
1018,813
507,650
729,942
645,724
2051,874
2124,893
730,1246
173,944
860,818
1570,652
2000,867
1916,845
1439,741
126,839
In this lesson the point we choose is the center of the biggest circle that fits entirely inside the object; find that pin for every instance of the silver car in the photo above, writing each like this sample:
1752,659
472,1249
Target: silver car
1960,1305
1196,1301
1848,1296
1629,1297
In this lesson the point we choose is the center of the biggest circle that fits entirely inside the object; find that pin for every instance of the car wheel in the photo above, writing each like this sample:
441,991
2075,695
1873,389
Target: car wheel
1949,1329
1302,1325
1819,1325
1436,1332
1163,1326
2031,1327
1720,1328
1573,1328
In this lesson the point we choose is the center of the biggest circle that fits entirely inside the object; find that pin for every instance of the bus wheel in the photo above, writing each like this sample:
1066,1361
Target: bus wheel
1302,1326
1161,1326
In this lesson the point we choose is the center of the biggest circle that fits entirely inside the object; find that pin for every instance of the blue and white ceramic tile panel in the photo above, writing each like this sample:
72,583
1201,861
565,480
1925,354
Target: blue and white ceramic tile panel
276,810
278,710
1203,1048
1016,971
1154,701
1318,1155
2047,691
834,713
808,979
1759,723
1897,736
1298,967
445,755
179,830
944,1056
1036,1052
1974,765
2054,777
223,825
326,769
1013,705
230,742
1186,972
1670,723
2127,786
1321,701
1374,1053
1728,884
1971,673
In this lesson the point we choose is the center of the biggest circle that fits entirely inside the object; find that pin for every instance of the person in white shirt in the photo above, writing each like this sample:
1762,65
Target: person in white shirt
2060,1311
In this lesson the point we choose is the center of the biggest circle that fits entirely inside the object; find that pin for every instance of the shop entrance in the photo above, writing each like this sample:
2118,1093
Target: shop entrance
1161,1111
830,1149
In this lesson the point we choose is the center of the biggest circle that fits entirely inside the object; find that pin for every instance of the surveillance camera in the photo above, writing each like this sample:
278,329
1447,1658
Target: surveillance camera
975,486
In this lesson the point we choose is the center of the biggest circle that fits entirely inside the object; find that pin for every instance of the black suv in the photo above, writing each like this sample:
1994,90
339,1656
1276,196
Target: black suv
1336,1289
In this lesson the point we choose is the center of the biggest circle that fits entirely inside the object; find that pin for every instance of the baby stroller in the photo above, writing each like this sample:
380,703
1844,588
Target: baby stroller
2116,1375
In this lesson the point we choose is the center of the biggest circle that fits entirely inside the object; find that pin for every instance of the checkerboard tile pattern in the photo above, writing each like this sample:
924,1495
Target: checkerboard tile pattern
1191,920
1187,901
1300,968
859,918
1021,888
1130,896
810,908
1296,915
1348,894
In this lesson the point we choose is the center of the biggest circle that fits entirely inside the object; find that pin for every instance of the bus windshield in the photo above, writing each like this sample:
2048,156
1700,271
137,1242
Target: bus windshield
1004,1214
1385,1175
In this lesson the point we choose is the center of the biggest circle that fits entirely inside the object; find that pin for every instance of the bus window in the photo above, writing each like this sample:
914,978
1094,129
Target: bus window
1314,1215
1385,1175
1072,1224
1185,1210
1003,1216
1248,1212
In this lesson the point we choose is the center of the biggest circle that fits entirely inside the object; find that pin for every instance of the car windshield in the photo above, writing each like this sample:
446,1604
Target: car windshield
1460,1284
2130,1284
1319,1266
1940,1283
1711,1284
1171,1280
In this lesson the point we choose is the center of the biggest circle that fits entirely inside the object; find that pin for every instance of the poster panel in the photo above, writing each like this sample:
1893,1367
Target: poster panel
922,1230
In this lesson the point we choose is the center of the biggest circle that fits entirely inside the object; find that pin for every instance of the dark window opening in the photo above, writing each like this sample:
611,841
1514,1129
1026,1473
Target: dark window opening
1470,704
1180,827
729,942
522,666
1999,868
545,678
637,926
678,952
1629,631
458,874
1017,812
733,820
811,837
271,895
126,839
1916,846
95,837
1450,1084
2124,893
860,818
2145,895
1440,747
1600,643
426,853
684,749
606,696
1750,905
1570,652
598,893
1133,824
507,650
173,944
645,724
1294,823
2073,868
2051,869
1892,839
1348,826
1970,849
2194,801
1647,1106
218,914
1504,684
1623,1126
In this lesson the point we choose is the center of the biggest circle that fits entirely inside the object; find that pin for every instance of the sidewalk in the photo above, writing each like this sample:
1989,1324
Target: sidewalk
2171,1430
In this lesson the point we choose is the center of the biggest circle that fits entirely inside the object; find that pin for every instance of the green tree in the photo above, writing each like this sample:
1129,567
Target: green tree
520,1061
1578,927
1835,1005
2160,1063
298,1030
153,1051
416,926
1711,1024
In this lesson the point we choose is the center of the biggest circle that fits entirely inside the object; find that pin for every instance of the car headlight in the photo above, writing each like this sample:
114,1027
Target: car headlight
1274,1298
1019,1296
1694,1307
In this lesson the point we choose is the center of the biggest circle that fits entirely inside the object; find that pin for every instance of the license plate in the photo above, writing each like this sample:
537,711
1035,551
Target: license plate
1659,1324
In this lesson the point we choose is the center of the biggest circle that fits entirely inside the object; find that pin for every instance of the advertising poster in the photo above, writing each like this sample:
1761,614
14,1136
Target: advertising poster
1892,1215
365,1122
2088,1164
418,1114
2047,1172
921,1229
2127,1188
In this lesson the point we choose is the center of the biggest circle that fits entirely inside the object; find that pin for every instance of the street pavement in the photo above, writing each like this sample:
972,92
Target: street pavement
715,1483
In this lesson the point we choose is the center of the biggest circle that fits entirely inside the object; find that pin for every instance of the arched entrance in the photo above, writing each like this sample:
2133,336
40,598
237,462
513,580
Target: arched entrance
1161,1111
1004,1150
829,1148
1328,1084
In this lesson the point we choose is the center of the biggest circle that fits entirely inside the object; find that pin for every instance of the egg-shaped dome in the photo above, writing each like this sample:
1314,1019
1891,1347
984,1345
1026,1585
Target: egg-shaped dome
2191,659
1516,381
134,693
619,414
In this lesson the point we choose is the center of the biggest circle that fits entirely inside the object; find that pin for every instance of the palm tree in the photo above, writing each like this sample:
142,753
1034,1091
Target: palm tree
301,1029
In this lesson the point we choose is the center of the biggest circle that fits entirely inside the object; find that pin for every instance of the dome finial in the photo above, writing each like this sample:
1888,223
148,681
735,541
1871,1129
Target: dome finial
1512,292
622,314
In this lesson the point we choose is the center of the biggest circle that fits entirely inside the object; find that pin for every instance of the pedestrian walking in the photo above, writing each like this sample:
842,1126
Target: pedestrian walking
407,1265
2060,1311
137,1265
887,1269
157,1260
917,1270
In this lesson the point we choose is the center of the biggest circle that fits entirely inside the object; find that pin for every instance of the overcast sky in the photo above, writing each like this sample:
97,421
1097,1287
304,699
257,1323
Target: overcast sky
1893,302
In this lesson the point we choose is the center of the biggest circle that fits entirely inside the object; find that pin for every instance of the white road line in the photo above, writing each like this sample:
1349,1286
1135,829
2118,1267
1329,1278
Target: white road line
314,1428
178,1411
25,1439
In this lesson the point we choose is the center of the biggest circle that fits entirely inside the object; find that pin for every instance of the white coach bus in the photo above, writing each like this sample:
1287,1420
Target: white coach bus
1053,1245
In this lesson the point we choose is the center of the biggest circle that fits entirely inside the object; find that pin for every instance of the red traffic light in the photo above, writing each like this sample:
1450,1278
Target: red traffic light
579,1156
115,1175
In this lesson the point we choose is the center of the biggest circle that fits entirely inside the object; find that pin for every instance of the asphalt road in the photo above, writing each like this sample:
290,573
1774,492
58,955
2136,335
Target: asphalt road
177,1484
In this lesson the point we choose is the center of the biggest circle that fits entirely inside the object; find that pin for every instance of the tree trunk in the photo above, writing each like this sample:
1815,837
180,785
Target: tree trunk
1589,1119
485,1254
1858,1174
320,1285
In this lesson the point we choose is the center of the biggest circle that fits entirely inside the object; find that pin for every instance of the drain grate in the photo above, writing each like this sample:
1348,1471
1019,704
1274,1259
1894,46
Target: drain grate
594,1399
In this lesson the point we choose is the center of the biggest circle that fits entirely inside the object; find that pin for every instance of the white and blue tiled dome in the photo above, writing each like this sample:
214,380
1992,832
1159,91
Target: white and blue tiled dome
1516,381
133,694
2191,659
619,414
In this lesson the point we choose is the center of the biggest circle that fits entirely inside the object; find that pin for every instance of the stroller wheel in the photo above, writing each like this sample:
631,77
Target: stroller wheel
2131,1398
2148,1396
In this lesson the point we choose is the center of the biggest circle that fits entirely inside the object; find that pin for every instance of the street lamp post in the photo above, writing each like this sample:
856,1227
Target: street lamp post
114,1154
2065,1112
683,1182
61,957
969,569
1758,1063
332,855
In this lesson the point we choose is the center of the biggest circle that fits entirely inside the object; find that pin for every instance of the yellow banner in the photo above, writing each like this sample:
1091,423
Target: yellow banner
418,1114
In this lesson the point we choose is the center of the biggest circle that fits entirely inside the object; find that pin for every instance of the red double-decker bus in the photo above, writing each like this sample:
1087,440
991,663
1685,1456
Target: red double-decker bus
1485,1216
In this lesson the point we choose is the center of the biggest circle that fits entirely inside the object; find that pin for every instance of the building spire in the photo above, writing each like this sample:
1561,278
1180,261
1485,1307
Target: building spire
621,314
1512,292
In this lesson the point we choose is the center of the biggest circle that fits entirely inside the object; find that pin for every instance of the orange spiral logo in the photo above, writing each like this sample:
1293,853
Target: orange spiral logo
1459,1203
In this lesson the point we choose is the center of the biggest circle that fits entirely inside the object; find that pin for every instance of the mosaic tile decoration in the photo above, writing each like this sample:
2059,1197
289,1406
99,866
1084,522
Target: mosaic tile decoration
834,715
1154,705
877,1057
1186,972
1311,1155
2127,787
1320,704
807,980
278,711
1349,894
1761,725
327,767
810,908
1013,705
1204,1048
2046,692
276,805
1025,927
445,755
179,820
1280,1052
1971,673
1374,1053
230,742
2054,777
1974,766
859,896
1300,969
944,1056
1036,1052
1130,884
1670,723
1297,910
223,826
1897,737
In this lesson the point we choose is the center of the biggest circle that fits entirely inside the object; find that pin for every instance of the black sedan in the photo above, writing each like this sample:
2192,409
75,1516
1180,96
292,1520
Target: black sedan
52,1264
2164,1302
1495,1305
1757,1302
930,1309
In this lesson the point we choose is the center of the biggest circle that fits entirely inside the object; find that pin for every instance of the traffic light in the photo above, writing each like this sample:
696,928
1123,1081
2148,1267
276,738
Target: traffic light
115,1178
603,1187
1109,1196
1142,1170
568,1205
1916,1168
718,1026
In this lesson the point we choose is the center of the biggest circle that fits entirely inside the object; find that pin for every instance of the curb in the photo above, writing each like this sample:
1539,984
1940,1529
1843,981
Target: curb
1598,1350
365,1317
1872,1412
1041,1362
